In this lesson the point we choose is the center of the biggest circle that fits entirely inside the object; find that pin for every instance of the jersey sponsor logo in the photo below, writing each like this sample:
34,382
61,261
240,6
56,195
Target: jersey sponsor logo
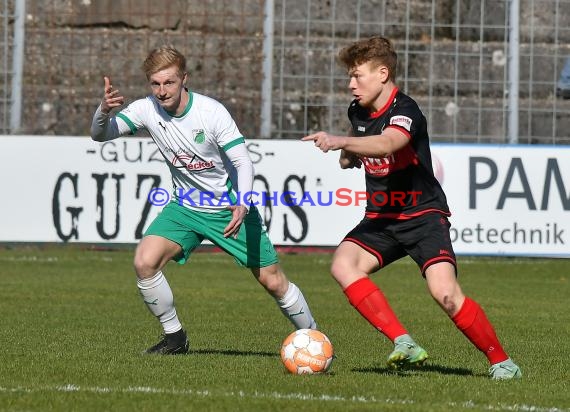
379,167
199,136
403,158
191,162
402,121
198,166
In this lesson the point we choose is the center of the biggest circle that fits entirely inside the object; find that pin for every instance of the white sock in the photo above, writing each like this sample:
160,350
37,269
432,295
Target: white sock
295,307
158,298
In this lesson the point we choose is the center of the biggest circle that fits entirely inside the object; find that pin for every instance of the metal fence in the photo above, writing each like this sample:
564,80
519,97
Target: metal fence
454,60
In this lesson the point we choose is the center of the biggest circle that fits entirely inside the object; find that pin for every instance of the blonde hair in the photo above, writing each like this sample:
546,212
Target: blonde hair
378,50
162,58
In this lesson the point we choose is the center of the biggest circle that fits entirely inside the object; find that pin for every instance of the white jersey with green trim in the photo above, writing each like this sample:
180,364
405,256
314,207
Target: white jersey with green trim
194,145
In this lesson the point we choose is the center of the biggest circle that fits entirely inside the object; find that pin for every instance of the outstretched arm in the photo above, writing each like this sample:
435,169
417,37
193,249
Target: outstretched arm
391,140
103,127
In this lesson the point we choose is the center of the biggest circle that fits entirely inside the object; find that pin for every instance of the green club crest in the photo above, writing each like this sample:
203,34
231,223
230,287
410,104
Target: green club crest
199,136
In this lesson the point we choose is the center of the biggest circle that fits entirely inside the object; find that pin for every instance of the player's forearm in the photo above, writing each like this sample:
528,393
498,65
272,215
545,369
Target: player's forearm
370,146
103,127
239,156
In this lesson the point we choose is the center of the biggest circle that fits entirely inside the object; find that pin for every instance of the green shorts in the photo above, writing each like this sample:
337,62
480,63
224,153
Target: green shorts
252,248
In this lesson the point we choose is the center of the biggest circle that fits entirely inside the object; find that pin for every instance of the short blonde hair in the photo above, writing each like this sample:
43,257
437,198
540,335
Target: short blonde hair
162,58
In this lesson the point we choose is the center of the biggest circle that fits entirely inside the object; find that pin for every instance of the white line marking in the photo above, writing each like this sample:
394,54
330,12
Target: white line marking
276,395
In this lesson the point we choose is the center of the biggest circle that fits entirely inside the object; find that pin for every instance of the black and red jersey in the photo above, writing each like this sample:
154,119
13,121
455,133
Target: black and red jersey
402,185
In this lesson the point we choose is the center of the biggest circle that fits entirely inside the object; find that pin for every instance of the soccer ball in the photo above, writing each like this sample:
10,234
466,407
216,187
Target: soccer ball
307,351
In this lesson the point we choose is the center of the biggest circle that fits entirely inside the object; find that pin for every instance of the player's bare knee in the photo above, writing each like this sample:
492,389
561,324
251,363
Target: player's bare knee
144,267
275,286
448,301
273,280
339,269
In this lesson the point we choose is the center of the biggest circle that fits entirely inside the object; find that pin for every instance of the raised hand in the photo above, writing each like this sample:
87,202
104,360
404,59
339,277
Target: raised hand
111,98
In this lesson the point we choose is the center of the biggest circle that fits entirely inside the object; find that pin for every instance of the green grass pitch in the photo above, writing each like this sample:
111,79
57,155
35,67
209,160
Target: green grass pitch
73,327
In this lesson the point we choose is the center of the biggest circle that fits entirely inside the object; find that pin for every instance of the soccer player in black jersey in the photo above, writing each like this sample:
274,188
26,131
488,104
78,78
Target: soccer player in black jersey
406,212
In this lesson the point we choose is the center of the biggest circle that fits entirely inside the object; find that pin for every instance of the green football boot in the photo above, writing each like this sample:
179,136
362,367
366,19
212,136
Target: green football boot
407,355
506,369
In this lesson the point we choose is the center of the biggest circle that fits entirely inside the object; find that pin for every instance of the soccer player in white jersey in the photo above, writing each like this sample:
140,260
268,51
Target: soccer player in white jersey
204,150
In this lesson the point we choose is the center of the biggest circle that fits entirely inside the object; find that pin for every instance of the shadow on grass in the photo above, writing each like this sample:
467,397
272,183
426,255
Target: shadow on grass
443,370
230,352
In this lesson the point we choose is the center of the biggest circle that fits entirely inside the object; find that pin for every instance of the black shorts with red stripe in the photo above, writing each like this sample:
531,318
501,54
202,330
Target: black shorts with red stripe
424,238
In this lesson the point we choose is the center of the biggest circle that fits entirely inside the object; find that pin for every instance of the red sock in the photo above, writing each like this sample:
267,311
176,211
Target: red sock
370,302
471,320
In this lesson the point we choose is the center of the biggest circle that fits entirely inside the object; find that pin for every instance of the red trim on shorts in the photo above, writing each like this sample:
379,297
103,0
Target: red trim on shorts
367,248
438,259
383,109
403,216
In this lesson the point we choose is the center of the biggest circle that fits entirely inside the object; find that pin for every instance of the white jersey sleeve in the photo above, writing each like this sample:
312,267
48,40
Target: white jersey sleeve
239,156
105,127
225,128
132,117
